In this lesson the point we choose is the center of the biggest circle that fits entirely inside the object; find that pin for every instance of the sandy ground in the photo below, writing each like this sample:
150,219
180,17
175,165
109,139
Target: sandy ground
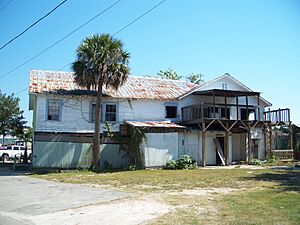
128,212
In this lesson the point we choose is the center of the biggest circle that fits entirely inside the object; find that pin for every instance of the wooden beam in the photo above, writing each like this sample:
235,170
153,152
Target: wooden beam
225,128
247,111
258,104
237,107
265,142
227,149
226,116
211,122
232,125
249,146
203,149
214,104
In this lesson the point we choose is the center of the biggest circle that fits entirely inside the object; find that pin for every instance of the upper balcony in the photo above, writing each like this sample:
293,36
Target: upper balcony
193,114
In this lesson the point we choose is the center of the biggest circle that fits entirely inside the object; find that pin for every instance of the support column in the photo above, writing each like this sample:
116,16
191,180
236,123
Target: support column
203,149
249,146
227,149
265,141
214,104
237,108
292,136
258,105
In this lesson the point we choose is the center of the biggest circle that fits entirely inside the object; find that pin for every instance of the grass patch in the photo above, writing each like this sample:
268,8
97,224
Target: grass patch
257,196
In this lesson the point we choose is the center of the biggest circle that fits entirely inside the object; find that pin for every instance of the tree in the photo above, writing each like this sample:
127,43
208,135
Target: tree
100,61
11,118
169,74
195,78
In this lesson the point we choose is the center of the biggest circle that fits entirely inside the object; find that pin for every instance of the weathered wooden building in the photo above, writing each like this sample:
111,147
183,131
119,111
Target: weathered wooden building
218,122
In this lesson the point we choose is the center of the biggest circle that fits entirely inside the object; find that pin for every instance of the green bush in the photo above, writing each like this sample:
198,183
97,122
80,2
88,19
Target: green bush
184,162
271,158
257,162
171,165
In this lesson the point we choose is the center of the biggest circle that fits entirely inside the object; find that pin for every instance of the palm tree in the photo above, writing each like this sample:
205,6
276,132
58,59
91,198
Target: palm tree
101,61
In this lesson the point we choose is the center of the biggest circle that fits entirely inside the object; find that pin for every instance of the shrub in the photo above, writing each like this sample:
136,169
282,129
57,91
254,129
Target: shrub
271,158
184,162
256,162
171,165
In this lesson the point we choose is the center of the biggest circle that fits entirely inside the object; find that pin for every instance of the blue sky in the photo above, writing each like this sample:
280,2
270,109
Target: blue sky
257,42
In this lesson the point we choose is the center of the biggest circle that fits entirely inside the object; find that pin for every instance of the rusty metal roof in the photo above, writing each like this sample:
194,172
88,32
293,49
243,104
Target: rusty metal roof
154,124
136,87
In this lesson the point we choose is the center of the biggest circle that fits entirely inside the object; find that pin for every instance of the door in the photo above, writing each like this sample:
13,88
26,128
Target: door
254,148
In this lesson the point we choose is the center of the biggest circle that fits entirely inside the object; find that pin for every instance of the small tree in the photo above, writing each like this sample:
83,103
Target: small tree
169,74
195,78
11,118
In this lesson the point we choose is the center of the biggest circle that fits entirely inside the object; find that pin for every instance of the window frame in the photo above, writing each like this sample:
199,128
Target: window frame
60,109
103,111
224,84
171,104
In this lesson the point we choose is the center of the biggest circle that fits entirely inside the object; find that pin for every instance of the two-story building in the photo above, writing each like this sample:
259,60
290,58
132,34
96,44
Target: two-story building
217,122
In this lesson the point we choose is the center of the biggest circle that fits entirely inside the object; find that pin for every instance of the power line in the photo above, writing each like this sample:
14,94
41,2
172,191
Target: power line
19,92
138,18
60,40
127,25
32,25
120,30
7,4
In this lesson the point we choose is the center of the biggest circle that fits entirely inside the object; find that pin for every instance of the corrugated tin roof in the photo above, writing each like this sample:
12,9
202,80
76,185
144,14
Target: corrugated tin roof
158,124
136,87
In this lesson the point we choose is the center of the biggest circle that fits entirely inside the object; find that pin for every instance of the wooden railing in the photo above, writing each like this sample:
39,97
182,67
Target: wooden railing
195,112
277,116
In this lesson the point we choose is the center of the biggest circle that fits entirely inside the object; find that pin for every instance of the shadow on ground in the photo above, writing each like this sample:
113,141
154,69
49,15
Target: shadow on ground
287,179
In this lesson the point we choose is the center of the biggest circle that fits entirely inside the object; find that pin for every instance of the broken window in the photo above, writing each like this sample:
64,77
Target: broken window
171,112
223,114
53,110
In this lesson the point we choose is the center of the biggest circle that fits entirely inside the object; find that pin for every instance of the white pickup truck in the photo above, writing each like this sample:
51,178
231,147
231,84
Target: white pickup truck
10,152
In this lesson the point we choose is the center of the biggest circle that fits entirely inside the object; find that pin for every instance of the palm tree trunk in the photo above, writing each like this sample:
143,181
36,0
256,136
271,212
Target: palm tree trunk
96,144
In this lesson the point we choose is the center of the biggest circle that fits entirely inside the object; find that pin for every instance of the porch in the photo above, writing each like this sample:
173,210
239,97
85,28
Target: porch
233,118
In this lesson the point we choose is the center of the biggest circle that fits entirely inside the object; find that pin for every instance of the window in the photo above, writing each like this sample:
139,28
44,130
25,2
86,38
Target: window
111,112
15,148
223,114
171,112
93,112
53,110
224,85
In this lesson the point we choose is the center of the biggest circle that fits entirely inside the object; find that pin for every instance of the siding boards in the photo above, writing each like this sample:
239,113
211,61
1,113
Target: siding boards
69,155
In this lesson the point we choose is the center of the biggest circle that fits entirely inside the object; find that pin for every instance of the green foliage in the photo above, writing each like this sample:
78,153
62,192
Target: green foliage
271,158
195,78
257,162
169,74
171,165
11,117
184,162
100,61
132,166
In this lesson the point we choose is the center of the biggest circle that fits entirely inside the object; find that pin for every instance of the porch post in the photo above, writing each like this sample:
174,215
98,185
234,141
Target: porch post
226,116
258,105
249,146
203,149
227,148
247,110
237,107
214,104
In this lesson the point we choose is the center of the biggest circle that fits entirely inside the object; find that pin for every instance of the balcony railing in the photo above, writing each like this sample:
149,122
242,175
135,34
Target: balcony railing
204,111
278,116
207,111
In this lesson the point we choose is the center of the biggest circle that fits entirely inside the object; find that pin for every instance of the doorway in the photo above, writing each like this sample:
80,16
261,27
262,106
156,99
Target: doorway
222,143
